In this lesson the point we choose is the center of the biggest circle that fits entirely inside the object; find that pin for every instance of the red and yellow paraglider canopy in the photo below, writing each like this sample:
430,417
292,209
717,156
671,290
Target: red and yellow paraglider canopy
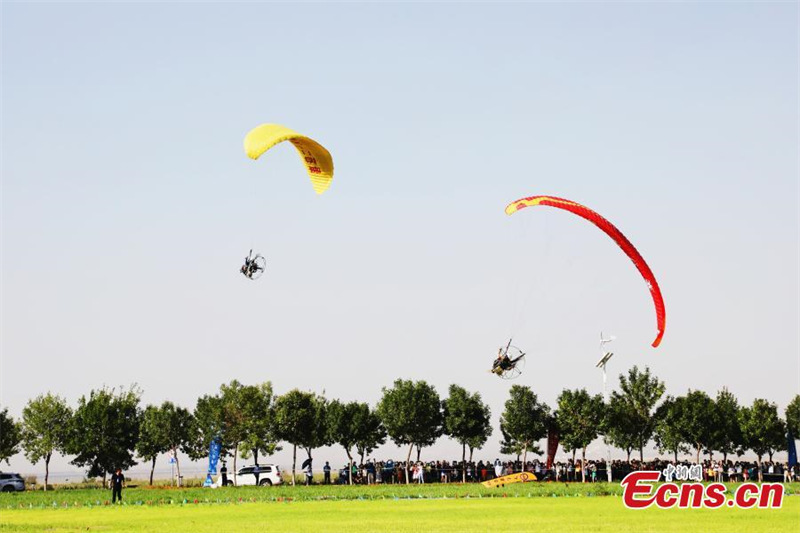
610,230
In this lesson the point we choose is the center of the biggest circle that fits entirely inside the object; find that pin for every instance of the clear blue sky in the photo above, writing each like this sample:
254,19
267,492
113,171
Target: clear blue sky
128,203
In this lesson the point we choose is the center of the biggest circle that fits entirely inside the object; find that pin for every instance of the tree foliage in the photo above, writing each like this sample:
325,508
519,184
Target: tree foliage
104,431
300,420
510,446
697,421
248,420
240,417
579,417
354,425
639,393
412,415
668,435
255,406
793,416
524,420
151,443
727,435
762,429
208,423
165,428
619,425
45,429
371,432
10,436
467,420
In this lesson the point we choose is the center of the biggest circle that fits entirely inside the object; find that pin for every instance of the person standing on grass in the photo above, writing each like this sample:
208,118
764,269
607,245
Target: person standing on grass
370,469
388,471
326,470
224,473
117,480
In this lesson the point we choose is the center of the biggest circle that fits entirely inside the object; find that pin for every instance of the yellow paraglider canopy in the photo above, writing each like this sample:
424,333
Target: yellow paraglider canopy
318,161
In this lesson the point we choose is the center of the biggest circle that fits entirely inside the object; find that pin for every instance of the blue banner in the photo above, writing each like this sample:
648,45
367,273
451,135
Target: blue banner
213,459
792,450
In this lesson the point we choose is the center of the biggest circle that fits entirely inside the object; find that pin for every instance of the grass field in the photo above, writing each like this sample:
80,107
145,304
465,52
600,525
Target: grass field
456,508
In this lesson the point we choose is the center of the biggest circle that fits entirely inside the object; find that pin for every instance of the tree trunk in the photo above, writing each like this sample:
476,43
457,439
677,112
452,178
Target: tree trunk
524,456
419,450
698,454
311,481
349,467
676,456
463,462
255,455
629,456
178,468
294,461
152,469
235,456
470,453
583,465
408,458
641,454
46,469
760,474
575,450
724,457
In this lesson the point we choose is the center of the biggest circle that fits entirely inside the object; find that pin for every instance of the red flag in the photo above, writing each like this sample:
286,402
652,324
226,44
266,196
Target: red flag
552,447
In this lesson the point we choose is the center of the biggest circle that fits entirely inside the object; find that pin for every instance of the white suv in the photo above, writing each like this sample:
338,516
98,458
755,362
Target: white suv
11,482
263,475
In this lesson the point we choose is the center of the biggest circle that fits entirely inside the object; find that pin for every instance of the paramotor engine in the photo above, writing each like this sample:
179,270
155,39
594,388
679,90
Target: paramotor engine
509,363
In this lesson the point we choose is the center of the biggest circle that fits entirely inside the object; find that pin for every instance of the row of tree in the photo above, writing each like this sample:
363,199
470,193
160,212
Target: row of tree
109,428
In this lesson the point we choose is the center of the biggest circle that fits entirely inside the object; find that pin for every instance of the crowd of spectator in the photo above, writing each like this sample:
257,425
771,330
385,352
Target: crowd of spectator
390,471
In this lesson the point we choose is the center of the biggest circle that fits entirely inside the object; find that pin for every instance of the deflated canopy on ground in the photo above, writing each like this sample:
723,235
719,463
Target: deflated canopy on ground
614,233
318,161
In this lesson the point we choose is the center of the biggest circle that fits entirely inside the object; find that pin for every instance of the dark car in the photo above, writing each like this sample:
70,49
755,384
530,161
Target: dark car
11,482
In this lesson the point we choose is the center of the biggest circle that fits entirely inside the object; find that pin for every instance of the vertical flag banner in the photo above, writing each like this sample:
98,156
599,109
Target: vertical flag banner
213,459
552,447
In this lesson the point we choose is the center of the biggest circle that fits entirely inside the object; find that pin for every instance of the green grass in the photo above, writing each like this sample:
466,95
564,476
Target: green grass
172,496
163,495
583,514
595,507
